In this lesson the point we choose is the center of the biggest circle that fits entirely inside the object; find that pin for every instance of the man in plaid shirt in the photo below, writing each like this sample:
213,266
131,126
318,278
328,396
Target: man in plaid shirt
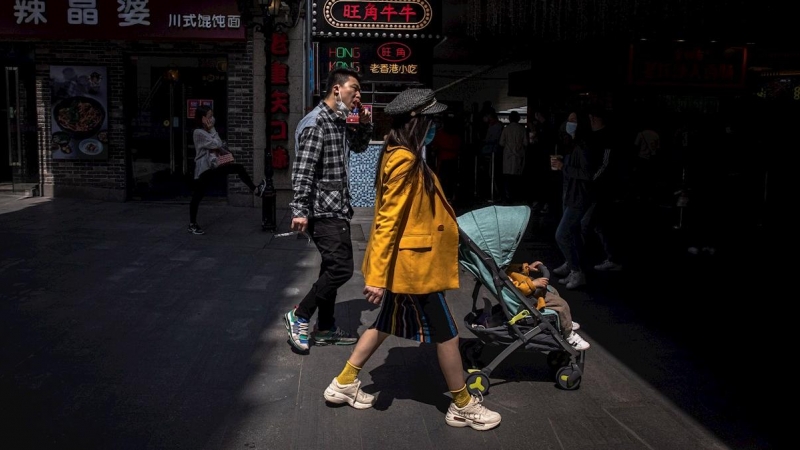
321,205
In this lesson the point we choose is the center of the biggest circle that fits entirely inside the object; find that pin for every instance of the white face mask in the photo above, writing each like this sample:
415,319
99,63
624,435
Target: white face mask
211,122
341,108
571,127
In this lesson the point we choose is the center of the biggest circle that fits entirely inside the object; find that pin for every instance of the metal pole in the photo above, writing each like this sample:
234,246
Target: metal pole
491,187
268,220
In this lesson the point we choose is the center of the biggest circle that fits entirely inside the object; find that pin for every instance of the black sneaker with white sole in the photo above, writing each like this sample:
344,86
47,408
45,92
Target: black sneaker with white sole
259,191
195,229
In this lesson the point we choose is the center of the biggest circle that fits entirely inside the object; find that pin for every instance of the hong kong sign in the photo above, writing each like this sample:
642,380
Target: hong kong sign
394,19
121,19
391,61
687,65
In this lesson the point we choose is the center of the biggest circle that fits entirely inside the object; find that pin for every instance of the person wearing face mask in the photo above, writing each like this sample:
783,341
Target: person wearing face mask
411,259
321,205
578,167
208,146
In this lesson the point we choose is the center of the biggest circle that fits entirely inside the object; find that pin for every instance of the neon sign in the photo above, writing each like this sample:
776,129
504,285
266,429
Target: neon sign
376,61
357,18
394,52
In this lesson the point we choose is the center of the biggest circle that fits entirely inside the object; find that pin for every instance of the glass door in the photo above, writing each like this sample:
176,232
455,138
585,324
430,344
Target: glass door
161,123
19,171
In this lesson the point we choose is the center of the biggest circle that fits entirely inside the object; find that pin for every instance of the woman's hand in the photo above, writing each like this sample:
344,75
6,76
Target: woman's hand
374,294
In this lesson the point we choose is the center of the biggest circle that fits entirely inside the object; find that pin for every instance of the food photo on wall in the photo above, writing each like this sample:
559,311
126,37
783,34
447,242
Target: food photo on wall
79,112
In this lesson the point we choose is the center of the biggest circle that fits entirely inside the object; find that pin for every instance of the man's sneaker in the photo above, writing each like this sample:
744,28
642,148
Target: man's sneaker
350,394
608,266
575,326
195,229
334,336
562,270
575,280
473,415
259,191
297,327
577,342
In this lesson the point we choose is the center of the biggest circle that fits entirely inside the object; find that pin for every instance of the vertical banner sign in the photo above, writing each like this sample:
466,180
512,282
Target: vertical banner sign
279,100
79,114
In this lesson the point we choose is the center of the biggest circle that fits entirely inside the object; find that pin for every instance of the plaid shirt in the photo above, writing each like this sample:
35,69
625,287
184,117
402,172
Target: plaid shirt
320,172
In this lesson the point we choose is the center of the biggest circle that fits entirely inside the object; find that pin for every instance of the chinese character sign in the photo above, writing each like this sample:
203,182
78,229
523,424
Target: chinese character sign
79,112
379,62
420,17
121,19
279,101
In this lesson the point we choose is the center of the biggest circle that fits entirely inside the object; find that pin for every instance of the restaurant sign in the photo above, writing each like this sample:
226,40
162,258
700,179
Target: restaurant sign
121,19
394,19
687,65
390,61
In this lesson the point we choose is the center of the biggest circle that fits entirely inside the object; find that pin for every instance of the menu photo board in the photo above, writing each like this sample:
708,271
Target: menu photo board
393,19
382,61
79,112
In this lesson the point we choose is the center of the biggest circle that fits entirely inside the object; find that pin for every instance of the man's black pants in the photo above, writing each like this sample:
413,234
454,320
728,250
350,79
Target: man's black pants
332,238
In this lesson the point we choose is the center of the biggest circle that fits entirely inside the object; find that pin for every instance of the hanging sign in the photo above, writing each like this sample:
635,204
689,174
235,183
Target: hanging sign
400,19
391,61
193,103
687,65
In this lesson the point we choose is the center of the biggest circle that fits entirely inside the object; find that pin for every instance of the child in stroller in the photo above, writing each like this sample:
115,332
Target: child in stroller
520,276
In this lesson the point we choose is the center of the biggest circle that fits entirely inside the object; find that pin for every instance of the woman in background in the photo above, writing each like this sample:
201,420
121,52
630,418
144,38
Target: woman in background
208,146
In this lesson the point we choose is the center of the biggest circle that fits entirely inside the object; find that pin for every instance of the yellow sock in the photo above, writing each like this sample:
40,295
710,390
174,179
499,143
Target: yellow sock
461,397
349,374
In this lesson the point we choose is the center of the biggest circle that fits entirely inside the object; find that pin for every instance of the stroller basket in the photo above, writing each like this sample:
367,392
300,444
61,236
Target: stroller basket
488,238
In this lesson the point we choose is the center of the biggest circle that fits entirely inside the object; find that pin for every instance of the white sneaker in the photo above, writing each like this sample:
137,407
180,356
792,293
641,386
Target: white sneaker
473,415
575,326
576,279
350,394
577,342
608,266
562,270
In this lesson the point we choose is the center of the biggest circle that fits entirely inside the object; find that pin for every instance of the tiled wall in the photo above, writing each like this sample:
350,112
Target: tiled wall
362,176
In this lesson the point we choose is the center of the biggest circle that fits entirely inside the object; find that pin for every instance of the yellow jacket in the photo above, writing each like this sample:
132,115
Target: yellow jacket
413,245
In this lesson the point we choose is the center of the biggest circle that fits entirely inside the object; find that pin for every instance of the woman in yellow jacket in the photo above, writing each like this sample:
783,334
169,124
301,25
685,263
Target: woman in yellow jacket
411,259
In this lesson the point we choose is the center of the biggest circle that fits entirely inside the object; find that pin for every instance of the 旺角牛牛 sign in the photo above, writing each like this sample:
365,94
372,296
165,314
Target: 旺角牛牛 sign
380,19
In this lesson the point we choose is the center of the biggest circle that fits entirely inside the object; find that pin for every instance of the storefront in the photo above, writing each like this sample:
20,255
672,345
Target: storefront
390,44
99,95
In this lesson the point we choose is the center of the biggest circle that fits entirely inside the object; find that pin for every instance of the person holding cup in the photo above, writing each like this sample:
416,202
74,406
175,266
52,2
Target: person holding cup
578,167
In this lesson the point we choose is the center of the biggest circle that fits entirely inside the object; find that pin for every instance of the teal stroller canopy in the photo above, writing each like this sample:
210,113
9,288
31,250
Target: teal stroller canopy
497,230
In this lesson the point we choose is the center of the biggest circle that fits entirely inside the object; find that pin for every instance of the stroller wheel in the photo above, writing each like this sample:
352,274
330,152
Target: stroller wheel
478,382
567,378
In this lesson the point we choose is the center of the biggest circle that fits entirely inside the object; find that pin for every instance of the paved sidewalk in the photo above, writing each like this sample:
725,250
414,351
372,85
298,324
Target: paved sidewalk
119,330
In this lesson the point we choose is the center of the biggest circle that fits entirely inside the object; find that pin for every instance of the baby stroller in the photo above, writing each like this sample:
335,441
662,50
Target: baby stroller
488,238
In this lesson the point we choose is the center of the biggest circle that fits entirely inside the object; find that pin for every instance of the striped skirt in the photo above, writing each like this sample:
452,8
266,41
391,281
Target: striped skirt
422,318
